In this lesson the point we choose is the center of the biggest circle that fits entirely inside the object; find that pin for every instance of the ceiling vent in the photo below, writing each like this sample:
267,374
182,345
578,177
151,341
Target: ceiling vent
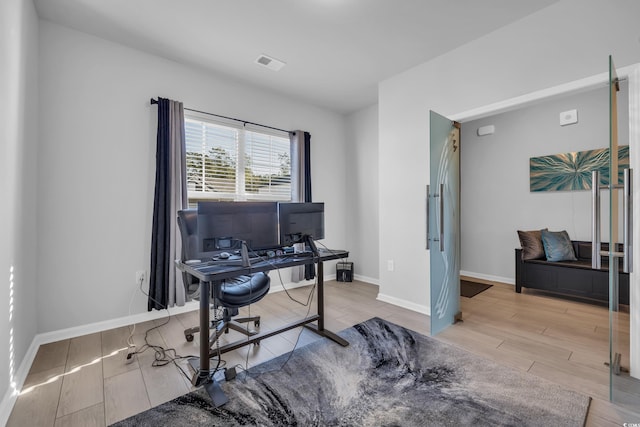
269,62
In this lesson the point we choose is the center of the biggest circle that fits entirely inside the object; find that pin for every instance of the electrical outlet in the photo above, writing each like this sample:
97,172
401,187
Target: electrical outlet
141,275
131,354
390,265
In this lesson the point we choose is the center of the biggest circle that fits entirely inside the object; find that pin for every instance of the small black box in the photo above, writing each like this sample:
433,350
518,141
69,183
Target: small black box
344,272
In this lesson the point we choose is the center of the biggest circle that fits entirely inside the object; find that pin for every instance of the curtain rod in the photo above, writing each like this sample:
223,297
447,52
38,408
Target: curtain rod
155,101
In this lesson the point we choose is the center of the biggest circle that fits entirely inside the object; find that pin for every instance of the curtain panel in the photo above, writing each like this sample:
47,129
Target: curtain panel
301,187
165,285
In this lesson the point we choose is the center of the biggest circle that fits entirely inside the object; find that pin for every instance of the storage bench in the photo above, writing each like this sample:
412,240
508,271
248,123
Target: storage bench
574,278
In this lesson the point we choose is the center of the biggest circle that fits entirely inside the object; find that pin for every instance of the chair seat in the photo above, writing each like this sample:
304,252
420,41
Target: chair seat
243,290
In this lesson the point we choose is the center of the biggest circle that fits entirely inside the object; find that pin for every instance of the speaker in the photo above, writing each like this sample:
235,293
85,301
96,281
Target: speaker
344,272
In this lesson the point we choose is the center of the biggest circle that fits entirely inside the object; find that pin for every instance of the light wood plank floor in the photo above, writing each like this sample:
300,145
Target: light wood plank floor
85,381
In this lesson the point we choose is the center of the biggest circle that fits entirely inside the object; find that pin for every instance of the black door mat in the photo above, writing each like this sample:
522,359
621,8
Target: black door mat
471,289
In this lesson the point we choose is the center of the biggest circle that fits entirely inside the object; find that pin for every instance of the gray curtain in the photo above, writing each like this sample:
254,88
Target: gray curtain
165,285
301,187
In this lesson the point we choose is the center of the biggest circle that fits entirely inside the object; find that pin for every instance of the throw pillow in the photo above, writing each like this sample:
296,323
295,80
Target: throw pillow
557,246
531,244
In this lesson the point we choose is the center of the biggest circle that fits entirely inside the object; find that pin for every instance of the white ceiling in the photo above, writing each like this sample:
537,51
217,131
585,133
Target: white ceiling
336,51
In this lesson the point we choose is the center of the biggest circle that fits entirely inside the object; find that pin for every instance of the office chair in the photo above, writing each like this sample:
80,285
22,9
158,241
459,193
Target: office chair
230,294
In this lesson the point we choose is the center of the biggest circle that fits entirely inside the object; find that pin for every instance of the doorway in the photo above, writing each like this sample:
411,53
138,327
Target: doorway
541,210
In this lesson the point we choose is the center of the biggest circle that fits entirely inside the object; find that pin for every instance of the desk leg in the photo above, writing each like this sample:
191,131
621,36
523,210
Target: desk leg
321,295
204,376
320,330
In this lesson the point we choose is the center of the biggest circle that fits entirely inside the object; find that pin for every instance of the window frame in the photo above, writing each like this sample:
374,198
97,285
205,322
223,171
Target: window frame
242,129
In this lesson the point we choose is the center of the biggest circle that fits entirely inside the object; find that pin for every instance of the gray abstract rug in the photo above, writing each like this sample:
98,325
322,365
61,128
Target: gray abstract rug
388,376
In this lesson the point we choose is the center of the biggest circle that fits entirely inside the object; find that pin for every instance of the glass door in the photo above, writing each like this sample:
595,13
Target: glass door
624,379
443,221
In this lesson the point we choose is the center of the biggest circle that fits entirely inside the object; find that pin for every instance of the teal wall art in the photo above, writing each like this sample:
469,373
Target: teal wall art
572,171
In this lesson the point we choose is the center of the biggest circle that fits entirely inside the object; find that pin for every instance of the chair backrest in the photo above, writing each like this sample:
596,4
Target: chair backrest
247,291
188,226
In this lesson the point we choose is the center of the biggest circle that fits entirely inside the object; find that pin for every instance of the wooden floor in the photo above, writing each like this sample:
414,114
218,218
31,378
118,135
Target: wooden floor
85,381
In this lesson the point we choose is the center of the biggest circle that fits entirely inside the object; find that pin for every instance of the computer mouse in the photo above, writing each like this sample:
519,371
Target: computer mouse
224,255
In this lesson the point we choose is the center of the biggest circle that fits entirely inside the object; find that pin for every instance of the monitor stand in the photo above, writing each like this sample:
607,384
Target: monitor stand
308,241
244,252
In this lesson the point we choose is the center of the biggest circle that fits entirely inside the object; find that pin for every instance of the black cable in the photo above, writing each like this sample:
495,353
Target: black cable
215,322
307,304
161,358
342,259
332,252
295,345
313,288
277,269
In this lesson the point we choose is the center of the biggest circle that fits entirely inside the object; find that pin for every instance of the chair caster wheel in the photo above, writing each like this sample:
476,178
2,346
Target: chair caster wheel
256,323
189,338
256,343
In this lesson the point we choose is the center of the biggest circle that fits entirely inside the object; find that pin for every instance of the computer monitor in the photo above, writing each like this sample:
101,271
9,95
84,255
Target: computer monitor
300,222
222,226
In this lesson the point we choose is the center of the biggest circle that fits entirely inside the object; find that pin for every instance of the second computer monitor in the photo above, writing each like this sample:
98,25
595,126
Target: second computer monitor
300,221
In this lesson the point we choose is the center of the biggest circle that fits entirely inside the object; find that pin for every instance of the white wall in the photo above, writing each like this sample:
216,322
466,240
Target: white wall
362,192
18,141
97,165
496,201
520,58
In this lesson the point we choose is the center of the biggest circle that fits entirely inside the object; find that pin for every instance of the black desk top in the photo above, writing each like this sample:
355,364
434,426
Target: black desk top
210,271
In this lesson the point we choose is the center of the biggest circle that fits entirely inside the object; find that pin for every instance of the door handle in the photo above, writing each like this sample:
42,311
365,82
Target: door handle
440,197
428,196
596,262
627,260
627,233
441,201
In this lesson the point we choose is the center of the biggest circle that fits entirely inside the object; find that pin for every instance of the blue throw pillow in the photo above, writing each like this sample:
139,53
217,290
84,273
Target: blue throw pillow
557,246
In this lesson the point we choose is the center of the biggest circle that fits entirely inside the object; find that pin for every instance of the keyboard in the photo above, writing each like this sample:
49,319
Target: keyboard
234,260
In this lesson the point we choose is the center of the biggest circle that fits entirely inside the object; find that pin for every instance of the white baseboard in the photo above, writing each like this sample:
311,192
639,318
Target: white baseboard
10,397
420,308
105,325
366,279
507,280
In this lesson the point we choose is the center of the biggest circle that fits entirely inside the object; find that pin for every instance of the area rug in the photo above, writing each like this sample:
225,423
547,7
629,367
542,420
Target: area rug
387,376
470,289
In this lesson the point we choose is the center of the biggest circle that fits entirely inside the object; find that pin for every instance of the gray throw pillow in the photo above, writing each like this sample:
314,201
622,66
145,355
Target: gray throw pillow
557,246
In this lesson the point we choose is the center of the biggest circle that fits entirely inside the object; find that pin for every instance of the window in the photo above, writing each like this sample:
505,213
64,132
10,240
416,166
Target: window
230,162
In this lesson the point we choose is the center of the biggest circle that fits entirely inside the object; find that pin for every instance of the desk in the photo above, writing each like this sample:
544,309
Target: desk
211,274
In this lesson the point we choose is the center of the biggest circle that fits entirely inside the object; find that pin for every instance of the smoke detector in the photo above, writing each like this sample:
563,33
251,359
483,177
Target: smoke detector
270,62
